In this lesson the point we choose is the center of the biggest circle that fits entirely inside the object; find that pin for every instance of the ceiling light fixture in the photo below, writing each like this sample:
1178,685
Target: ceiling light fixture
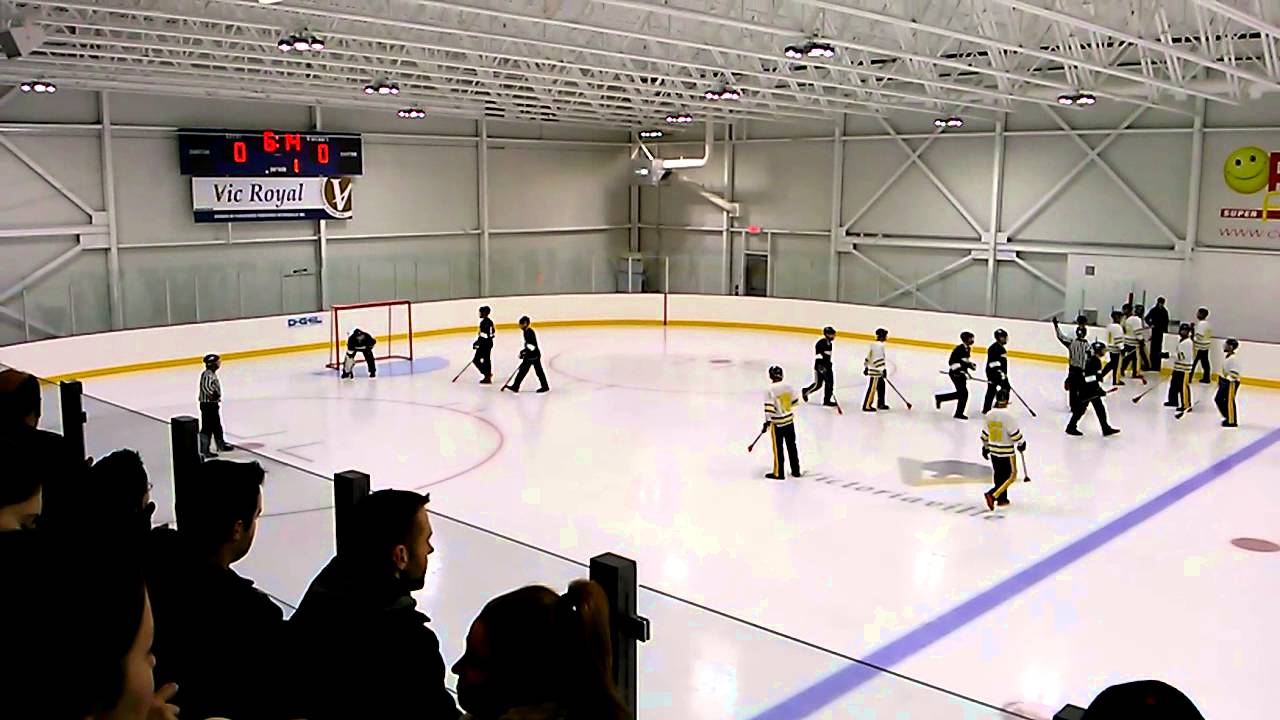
723,92
381,87
1080,99
813,49
38,86
949,122
300,42
680,118
412,113
651,134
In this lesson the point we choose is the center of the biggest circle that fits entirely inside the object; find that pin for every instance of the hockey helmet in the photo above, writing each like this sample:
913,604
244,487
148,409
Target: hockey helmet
1184,327
1000,333
211,358
1232,343
524,320
484,310
828,330
1081,332
1098,347
881,333
775,373
1002,396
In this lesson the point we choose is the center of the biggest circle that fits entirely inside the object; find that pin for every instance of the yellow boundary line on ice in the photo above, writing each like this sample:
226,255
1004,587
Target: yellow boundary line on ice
725,325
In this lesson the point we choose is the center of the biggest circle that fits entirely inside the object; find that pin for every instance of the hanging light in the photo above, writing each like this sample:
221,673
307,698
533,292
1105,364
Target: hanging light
650,134
412,113
1081,99
38,86
300,42
285,44
680,118
795,52
813,48
1086,99
948,122
381,87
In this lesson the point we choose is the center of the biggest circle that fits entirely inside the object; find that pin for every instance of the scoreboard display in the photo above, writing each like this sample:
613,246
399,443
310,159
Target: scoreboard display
269,153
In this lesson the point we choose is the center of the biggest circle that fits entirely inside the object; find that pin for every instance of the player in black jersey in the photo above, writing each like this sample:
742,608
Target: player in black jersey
1091,392
530,357
823,370
958,368
997,370
484,347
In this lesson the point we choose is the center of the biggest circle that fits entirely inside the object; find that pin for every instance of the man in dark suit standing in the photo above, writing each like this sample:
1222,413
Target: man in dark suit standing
1158,320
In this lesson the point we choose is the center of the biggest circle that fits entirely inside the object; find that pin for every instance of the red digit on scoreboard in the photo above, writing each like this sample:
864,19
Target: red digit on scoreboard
292,141
269,141
239,152
296,166
322,153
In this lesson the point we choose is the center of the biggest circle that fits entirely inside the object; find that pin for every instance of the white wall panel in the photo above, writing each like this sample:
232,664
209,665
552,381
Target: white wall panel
912,205
696,258
344,119
413,188
1107,114
556,263
419,269
555,131
67,106
27,200
139,109
784,186
1019,294
74,160
557,187
799,266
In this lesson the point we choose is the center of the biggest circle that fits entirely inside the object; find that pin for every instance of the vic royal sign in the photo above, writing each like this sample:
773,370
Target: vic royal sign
257,199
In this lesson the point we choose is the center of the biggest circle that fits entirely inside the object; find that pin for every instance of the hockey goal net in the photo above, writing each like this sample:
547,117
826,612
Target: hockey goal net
390,322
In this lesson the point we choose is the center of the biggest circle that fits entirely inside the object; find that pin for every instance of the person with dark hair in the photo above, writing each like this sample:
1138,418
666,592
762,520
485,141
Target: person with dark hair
1116,344
75,656
118,495
1142,700
361,342
362,648
1183,369
824,377
1135,344
218,637
1077,357
958,367
1229,383
530,357
211,409
48,459
484,347
997,369
1091,392
1158,320
533,654
875,367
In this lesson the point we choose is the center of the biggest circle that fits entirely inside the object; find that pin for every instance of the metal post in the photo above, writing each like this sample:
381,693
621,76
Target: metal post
349,488
633,194
184,432
617,575
239,295
726,266
26,317
109,195
837,202
195,284
629,259
322,228
997,204
71,400
1197,167
482,202
666,275
71,305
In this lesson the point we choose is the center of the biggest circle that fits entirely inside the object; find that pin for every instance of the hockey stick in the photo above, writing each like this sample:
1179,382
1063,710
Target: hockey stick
509,379
752,446
970,377
1178,415
1143,394
895,390
1024,402
464,369
1026,474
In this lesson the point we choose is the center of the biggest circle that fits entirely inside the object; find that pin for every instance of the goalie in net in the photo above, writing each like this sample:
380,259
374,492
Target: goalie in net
359,342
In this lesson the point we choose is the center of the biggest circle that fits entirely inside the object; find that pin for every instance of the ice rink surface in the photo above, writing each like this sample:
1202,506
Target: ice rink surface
1115,563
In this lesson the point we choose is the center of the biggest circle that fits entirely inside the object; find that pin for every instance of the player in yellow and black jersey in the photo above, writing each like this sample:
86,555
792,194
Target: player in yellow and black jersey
779,422
1001,440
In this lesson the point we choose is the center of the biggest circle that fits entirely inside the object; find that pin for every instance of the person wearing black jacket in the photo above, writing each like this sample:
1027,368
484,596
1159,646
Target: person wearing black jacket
958,367
997,369
217,637
1091,392
484,347
363,650
1158,319
530,357
823,373
359,342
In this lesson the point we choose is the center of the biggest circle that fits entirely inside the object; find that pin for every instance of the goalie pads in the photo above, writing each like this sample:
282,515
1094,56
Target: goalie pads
349,363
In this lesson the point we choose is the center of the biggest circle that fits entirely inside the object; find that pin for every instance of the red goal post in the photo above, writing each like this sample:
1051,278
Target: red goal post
389,321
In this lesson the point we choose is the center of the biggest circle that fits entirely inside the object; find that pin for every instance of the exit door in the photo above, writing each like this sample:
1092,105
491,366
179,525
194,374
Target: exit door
756,272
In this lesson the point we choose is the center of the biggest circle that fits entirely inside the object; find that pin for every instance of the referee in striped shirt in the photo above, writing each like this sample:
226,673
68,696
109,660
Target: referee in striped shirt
1078,350
211,409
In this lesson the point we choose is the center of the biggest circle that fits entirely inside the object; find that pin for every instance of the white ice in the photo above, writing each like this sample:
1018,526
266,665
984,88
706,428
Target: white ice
640,449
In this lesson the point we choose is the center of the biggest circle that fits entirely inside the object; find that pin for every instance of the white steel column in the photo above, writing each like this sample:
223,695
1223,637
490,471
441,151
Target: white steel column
726,264
837,203
322,229
109,195
997,203
1197,168
482,201
633,204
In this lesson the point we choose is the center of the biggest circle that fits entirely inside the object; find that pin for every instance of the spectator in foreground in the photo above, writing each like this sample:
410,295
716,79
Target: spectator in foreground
119,495
21,497
536,655
47,453
75,655
218,637
363,648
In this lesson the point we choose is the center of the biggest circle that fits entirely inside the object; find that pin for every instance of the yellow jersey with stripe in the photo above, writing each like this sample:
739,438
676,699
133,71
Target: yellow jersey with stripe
1231,367
1186,354
1203,335
779,400
1001,434
1135,330
875,363
1115,337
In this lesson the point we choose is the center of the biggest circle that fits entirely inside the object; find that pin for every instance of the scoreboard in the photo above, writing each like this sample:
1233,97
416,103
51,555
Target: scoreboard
269,153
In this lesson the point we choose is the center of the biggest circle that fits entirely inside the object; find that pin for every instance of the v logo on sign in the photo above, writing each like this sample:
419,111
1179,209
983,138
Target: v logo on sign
337,196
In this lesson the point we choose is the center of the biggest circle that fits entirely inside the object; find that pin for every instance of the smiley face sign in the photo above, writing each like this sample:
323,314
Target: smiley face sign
1248,170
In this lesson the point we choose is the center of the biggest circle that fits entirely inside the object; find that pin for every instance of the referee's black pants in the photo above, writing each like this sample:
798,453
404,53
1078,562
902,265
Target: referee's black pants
1075,385
784,439
1082,406
961,394
211,424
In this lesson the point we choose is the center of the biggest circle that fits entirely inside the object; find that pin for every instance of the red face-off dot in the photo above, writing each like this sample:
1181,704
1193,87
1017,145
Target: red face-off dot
1256,545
